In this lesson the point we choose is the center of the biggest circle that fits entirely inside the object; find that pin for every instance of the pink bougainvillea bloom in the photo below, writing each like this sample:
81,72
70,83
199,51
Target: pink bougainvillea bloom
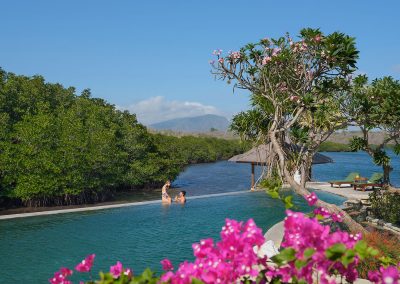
317,38
166,277
337,217
65,271
388,275
60,277
312,199
294,98
166,264
322,211
225,261
221,60
116,270
86,264
374,276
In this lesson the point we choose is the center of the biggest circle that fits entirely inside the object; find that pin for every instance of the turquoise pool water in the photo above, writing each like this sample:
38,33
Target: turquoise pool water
140,236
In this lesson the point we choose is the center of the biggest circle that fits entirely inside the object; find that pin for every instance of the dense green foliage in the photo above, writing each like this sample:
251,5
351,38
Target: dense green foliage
385,204
57,147
375,106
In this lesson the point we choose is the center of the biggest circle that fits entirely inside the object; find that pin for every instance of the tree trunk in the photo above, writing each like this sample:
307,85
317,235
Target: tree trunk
301,190
386,174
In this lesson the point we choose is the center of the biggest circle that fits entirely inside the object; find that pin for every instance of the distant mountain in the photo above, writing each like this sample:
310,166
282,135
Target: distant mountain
204,123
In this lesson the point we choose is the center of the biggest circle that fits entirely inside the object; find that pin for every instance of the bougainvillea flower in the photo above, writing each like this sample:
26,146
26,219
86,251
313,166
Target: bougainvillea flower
312,199
116,270
166,264
86,264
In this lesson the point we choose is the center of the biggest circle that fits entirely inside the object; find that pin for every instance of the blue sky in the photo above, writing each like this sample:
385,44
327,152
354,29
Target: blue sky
152,56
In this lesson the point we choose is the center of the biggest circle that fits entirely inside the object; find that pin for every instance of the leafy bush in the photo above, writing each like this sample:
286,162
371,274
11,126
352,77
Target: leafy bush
385,204
59,148
388,251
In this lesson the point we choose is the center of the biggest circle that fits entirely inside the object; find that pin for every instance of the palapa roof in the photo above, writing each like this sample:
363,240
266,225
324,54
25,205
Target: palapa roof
258,155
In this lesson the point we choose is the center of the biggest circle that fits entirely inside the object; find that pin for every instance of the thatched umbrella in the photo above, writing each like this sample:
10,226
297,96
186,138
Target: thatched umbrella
258,156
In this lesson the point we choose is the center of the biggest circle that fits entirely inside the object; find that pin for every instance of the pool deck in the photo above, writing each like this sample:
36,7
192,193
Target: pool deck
347,192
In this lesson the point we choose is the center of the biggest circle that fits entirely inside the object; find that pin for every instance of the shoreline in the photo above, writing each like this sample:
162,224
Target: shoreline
348,193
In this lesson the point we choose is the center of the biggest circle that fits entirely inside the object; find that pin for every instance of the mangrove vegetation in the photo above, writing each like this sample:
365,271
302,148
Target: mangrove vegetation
58,147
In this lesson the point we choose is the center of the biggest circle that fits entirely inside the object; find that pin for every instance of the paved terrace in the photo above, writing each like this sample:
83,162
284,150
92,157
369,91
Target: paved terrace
347,192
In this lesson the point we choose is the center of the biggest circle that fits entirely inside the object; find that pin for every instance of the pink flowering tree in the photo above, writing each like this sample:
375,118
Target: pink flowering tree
311,253
297,88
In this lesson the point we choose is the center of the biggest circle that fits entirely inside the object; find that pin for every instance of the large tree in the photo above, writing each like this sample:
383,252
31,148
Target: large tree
374,107
298,88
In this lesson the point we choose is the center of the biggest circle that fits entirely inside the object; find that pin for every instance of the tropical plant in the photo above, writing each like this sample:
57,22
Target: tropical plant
385,204
298,88
374,107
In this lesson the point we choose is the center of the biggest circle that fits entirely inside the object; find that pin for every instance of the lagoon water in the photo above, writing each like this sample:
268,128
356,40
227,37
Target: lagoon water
140,236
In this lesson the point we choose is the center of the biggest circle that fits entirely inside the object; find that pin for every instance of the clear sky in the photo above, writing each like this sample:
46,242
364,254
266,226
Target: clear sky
152,56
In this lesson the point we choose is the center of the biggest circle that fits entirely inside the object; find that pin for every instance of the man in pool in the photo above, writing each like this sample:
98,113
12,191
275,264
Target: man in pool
165,198
181,198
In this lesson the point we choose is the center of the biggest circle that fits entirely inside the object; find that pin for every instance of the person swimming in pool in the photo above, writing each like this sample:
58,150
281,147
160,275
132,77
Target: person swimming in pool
181,198
165,198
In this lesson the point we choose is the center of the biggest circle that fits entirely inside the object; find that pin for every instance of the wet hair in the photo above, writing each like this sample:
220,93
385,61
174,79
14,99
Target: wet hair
183,192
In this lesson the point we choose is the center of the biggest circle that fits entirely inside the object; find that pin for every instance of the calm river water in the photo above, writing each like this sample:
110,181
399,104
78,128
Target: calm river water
140,236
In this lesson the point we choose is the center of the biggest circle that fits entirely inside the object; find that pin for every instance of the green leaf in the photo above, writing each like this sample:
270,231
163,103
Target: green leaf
288,202
386,260
348,257
361,249
273,194
372,251
147,274
285,256
300,263
196,281
335,252
396,149
309,252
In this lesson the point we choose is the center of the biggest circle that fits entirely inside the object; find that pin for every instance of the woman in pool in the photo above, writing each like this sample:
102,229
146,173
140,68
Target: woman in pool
165,198
181,198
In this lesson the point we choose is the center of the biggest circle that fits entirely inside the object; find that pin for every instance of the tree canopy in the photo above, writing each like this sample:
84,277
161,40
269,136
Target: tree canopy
297,87
373,107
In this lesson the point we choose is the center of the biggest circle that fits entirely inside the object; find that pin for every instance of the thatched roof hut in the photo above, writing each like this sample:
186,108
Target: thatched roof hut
258,156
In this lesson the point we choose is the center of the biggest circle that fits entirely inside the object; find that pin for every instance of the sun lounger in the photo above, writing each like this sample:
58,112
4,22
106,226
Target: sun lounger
348,180
374,181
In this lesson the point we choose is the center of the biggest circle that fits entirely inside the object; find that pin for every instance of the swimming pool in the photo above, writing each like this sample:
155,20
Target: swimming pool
139,236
